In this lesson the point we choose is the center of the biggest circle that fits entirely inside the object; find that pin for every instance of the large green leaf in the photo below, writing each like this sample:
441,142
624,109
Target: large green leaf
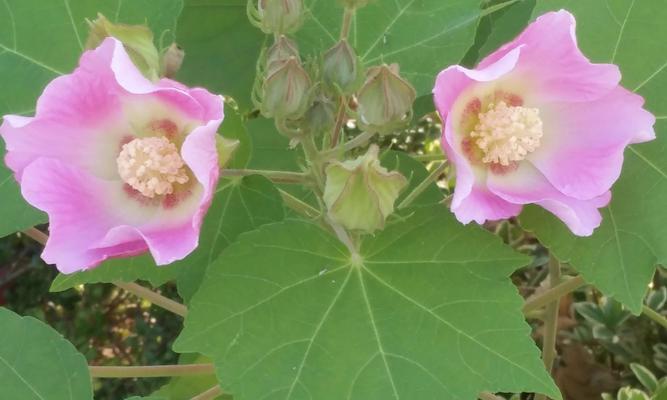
37,363
424,36
621,255
40,41
287,313
240,205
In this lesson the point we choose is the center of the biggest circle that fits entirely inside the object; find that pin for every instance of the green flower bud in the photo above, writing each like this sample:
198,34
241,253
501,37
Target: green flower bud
340,67
172,60
226,148
283,49
320,116
385,100
360,193
137,40
277,16
286,91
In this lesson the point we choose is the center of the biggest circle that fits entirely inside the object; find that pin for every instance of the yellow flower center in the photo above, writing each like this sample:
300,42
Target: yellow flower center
506,133
152,166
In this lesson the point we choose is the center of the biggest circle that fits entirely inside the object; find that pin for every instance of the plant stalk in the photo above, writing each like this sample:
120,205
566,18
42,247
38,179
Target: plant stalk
347,22
155,298
153,371
550,295
210,394
433,176
275,176
352,144
551,321
655,316
340,120
299,206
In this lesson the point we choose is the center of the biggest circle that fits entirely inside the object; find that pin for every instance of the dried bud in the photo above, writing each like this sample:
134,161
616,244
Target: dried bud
283,49
172,60
360,193
277,16
385,100
286,91
320,116
340,67
352,4
226,148
137,40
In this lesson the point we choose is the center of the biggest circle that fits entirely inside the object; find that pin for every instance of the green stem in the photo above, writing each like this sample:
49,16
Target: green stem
299,206
210,394
352,144
155,371
655,316
275,176
153,297
551,322
36,235
347,22
425,184
340,120
497,7
550,295
428,157
313,157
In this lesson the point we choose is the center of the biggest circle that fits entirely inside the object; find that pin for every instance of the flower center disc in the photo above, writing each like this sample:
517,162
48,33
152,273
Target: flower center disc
506,133
152,166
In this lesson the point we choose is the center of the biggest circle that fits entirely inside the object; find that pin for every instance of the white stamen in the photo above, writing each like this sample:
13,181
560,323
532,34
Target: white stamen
151,166
506,134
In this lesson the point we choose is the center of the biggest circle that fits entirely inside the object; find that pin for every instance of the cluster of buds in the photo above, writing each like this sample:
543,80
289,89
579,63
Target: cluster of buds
276,17
360,193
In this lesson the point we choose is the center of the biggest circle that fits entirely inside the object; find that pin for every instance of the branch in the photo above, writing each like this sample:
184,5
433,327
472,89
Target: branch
210,394
551,322
275,176
555,292
155,371
433,176
655,316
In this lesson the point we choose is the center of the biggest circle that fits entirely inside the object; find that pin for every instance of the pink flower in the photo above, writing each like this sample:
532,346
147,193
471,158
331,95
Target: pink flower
120,164
537,122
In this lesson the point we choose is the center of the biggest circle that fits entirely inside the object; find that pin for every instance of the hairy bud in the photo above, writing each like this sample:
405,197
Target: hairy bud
360,193
172,60
385,100
226,148
286,91
137,40
320,116
283,49
277,16
340,67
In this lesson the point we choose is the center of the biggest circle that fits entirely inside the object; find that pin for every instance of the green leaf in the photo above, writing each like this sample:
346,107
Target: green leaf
645,376
288,313
37,363
29,60
233,127
620,257
239,205
413,170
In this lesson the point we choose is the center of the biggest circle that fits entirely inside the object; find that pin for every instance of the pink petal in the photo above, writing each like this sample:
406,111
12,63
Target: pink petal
582,148
481,205
551,60
527,185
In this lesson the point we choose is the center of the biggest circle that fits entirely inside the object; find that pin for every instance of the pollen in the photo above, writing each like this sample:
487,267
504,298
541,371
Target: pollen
152,166
506,134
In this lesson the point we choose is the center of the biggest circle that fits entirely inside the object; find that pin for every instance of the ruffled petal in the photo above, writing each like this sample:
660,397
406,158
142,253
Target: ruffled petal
527,185
582,148
551,60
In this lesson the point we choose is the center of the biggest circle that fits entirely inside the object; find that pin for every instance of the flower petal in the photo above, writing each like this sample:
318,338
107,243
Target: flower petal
551,59
581,152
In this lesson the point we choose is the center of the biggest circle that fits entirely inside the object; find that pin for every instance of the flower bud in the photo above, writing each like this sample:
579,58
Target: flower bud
320,116
340,67
360,193
385,100
283,49
172,61
226,148
137,40
286,91
277,16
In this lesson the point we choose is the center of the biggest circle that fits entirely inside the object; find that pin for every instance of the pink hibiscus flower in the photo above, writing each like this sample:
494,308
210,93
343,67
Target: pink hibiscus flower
537,122
120,164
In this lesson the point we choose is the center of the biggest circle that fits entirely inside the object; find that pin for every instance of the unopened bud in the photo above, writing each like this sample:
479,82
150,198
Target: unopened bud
226,148
137,40
320,116
286,91
360,193
340,67
277,16
283,49
172,61
385,100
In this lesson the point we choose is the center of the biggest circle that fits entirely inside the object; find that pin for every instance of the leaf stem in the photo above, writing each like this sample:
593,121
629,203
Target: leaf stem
425,184
153,371
313,156
497,7
654,315
352,144
275,176
155,298
340,120
347,21
428,157
299,206
36,235
551,321
555,292
210,394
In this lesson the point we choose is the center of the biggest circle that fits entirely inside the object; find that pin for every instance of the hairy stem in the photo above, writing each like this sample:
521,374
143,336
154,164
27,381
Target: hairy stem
340,120
352,144
551,322
347,22
210,394
433,176
550,295
275,176
154,371
313,157
154,298
655,316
